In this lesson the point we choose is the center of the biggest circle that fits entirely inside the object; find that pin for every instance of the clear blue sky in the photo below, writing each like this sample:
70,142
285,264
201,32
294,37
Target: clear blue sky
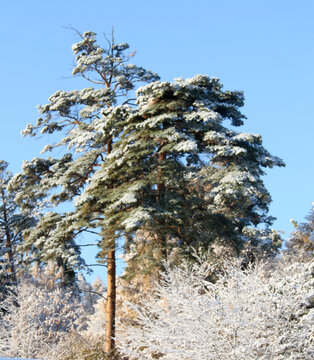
265,48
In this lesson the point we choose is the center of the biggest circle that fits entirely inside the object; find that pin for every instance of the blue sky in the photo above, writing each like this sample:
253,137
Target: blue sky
265,48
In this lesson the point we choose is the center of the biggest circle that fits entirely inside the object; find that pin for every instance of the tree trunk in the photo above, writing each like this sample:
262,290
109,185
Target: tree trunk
159,198
10,256
8,242
111,302
160,183
111,288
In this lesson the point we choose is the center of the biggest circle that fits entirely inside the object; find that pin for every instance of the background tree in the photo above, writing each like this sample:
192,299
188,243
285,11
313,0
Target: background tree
86,122
301,241
12,223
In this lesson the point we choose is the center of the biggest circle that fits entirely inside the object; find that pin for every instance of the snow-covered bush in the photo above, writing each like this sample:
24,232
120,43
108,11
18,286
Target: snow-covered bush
87,342
262,312
80,347
38,315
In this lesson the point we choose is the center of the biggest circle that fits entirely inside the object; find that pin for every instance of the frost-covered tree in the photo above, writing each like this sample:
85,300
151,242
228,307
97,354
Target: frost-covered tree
12,223
87,342
181,177
263,312
87,123
39,315
301,241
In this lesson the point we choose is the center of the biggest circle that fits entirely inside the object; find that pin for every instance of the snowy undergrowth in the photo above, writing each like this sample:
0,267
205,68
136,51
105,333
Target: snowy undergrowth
37,314
262,312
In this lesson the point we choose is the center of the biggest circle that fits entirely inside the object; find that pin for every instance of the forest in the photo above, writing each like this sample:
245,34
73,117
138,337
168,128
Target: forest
160,172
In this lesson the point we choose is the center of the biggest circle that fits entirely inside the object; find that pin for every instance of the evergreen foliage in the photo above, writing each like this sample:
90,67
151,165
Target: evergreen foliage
12,224
181,177
85,120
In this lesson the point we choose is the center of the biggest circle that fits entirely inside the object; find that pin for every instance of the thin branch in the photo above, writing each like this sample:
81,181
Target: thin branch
92,232
94,292
127,101
84,266
87,245
70,27
91,80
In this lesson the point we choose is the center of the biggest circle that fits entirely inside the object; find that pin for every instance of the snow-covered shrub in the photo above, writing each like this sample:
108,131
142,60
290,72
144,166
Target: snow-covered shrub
262,312
87,342
38,315
77,346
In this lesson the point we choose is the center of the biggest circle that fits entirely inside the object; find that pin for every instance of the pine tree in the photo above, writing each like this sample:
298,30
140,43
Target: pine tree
89,122
180,177
168,168
12,223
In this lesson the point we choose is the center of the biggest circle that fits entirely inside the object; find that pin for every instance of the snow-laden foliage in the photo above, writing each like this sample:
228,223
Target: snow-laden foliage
178,172
97,320
53,240
39,313
12,224
88,122
87,342
261,312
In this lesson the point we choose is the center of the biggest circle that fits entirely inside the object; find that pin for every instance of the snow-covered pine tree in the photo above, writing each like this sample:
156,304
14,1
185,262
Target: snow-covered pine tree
180,177
89,121
53,237
12,223
168,168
